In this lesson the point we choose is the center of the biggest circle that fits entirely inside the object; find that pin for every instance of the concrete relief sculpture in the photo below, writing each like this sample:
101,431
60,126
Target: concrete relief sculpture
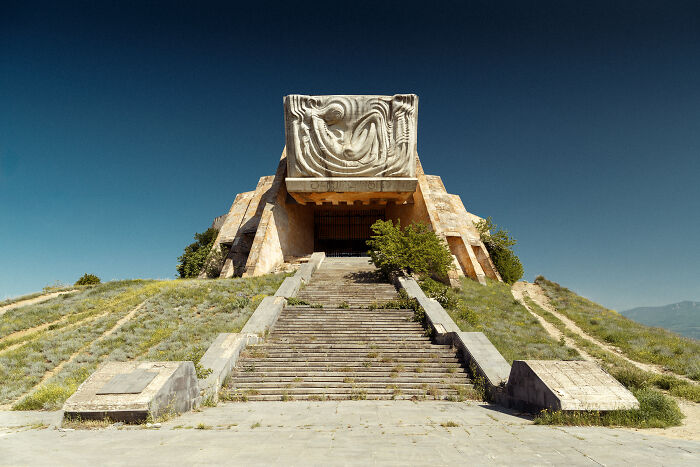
351,136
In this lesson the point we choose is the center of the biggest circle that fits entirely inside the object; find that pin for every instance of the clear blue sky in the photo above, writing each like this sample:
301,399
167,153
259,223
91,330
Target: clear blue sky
125,127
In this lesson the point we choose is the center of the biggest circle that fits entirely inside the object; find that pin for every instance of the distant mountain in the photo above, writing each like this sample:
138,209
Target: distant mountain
682,318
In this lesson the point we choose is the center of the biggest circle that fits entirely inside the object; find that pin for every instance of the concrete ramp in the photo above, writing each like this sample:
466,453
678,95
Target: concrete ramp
566,385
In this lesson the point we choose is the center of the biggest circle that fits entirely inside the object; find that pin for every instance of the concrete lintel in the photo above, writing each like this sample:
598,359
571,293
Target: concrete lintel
221,357
264,316
476,348
351,184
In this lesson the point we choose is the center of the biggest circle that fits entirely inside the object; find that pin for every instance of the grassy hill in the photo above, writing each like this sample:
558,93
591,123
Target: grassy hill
48,349
682,318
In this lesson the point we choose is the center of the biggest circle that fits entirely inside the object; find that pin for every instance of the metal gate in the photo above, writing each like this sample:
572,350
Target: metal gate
344,232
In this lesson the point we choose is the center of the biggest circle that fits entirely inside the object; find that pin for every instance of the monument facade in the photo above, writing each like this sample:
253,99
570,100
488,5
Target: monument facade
348,161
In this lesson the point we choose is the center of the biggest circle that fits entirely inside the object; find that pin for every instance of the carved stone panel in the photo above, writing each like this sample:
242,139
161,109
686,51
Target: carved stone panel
351,136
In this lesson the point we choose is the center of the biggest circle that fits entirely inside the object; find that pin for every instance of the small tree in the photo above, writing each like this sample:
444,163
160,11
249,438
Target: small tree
191,262
88,279
500,244
414,250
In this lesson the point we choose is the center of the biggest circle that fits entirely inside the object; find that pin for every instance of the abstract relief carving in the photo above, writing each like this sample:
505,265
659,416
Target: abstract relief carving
351,136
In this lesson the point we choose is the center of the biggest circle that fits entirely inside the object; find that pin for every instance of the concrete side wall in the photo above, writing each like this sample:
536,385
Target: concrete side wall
477,349
220,358
285,229
295,225
266,253
528,392
179,394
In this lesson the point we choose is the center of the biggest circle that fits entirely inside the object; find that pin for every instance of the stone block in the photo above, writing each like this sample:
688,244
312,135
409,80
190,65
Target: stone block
566,385
171,388
476,348
264,316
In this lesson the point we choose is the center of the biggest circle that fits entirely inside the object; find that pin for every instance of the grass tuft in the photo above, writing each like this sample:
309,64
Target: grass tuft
655,411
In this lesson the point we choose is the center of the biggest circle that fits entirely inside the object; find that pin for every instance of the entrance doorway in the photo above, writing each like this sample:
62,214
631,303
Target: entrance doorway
344,232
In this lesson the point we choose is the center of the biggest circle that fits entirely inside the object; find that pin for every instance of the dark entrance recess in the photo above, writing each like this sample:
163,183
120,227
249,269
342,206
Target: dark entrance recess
343,232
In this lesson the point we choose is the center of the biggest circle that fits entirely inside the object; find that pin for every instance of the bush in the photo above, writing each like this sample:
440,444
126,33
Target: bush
412,250
88,279
192,261
442,293
500,247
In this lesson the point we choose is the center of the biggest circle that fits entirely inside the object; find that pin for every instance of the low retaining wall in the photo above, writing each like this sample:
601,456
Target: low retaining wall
220,358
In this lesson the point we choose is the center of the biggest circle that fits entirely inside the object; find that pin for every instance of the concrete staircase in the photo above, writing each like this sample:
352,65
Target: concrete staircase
350,280
347,353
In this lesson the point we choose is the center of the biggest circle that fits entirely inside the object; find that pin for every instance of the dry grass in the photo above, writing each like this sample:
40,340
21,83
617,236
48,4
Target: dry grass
179,321
678,354
516,334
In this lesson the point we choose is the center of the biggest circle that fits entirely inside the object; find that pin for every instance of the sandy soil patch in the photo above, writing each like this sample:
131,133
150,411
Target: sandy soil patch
33,301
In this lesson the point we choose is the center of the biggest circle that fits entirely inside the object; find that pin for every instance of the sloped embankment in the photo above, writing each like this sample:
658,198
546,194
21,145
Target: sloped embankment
672,352
516,333
48,349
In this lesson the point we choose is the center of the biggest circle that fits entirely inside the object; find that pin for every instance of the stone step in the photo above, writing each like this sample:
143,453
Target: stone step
347,390
309,386
321,327
278,351
369,346
290,376
338,363
397,328
344,390
346,365
350,331
369,343
308,309
329,381
358,346
358,396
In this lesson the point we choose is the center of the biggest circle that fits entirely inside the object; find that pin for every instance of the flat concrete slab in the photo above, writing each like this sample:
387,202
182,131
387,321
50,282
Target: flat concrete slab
128,383
131,391
343,433
567,385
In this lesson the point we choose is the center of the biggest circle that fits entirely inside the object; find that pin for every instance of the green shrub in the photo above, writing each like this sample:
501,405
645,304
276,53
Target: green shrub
412,250
192,261
500,244
88,279
444,295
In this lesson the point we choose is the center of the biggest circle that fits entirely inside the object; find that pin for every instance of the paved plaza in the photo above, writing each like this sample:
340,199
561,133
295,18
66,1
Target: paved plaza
336,433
